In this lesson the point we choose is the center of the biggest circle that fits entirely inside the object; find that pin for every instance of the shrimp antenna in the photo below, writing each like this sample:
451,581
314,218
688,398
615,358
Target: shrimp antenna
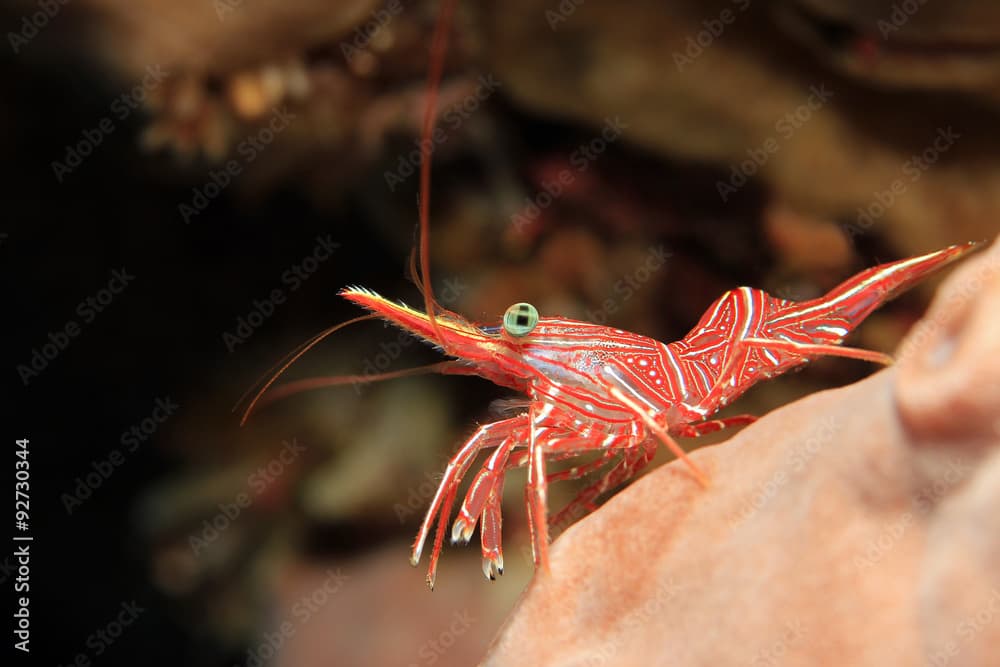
438,49
414,274
439,46
285,362
309,384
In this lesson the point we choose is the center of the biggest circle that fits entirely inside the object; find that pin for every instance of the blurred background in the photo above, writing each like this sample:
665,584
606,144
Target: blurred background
189,183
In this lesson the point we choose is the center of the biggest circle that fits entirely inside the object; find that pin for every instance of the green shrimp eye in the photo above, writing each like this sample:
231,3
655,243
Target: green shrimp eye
520,319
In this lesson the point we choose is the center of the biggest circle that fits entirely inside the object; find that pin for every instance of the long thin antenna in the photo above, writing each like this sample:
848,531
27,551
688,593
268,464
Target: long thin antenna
308,384
291,359
439,46
269,373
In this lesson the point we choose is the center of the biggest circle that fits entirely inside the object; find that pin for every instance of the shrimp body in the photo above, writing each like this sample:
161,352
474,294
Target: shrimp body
591,388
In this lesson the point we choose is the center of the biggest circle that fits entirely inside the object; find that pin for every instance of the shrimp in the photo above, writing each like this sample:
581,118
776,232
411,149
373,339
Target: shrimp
590,388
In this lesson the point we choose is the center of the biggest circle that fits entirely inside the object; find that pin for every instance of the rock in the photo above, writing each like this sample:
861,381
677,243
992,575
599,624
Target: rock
725,83
856,526
218,36
877,116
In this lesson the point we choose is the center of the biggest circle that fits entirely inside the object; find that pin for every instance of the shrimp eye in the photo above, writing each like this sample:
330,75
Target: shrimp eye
520,319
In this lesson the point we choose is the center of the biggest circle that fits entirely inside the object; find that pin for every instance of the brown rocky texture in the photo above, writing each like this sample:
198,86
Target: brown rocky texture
893,90
918,44
347,74
856,526
754,83
218,36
